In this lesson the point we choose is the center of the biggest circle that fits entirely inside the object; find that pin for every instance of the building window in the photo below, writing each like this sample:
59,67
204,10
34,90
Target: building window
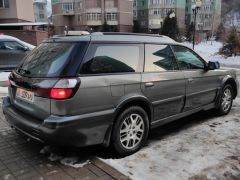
41,16
79,18
4,3
67,6
143,23
134,13
41,7
94,16
134,3
111,16
80,5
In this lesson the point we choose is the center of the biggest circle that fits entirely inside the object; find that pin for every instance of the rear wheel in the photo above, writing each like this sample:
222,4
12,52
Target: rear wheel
226,99
130,131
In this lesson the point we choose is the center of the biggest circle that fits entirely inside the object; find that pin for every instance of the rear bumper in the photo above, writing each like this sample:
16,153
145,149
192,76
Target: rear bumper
81,130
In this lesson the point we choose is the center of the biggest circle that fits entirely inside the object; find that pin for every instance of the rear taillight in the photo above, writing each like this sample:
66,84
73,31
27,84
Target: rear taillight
61,93
64,89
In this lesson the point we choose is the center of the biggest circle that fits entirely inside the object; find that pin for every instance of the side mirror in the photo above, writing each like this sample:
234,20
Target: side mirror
25,48
213,65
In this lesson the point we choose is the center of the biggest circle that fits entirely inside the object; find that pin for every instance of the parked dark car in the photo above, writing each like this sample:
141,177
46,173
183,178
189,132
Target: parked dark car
111,89
12,51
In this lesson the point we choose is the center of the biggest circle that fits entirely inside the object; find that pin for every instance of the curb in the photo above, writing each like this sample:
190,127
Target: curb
109,170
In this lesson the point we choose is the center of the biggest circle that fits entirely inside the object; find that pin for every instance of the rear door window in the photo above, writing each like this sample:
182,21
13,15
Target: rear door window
53,60
159,58
112,58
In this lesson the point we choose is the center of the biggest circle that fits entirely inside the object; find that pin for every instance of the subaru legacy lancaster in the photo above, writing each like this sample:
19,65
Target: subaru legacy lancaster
111,89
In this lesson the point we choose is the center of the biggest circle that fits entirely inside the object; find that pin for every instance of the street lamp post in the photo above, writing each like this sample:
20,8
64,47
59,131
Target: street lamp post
195,8
213,17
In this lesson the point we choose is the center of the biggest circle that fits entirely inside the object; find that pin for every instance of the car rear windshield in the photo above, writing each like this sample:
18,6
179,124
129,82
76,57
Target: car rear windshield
53,59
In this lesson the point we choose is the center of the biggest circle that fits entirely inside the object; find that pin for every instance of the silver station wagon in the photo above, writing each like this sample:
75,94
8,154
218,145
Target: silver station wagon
111,89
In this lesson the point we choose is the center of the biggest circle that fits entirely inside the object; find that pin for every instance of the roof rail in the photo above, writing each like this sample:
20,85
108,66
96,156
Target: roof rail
126,33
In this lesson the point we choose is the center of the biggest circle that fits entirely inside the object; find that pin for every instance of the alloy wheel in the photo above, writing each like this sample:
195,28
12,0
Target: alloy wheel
226,100
132,131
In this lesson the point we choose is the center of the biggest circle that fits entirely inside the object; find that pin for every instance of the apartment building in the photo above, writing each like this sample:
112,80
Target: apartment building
12,11
159,9
40,10
151,13
141,14
208,17
92,15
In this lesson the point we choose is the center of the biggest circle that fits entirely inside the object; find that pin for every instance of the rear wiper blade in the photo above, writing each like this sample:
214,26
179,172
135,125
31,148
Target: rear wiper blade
24,71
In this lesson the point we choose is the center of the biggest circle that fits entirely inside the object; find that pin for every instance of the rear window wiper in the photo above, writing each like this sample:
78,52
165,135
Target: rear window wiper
23,71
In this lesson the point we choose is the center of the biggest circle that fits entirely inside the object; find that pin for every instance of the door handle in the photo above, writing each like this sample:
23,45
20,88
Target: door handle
190,80
149,84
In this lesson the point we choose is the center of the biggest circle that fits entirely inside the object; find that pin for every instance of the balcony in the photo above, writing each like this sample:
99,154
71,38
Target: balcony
94,22
68,12
112,23
40,1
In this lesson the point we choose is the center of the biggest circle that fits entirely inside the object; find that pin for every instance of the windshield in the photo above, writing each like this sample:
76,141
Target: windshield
52,60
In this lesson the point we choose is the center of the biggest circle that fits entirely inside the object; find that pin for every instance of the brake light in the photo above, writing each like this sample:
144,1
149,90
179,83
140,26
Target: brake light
61,93
64,89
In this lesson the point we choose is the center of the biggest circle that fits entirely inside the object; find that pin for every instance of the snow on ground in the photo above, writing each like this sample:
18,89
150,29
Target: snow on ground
207,149
72,160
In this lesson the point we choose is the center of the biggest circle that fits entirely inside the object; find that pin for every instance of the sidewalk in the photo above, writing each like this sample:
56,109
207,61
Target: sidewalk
21,159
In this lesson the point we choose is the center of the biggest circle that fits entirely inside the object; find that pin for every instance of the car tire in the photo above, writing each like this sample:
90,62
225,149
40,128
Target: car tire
130,131
225,101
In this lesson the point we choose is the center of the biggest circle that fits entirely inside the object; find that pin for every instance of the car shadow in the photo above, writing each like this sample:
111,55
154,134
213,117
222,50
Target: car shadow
157,134
57,153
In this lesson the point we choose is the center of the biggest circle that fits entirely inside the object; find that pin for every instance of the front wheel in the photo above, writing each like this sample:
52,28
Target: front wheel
226,99
130,131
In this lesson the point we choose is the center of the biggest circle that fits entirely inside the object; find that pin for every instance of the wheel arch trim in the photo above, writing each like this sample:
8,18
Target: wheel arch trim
126,102
232,81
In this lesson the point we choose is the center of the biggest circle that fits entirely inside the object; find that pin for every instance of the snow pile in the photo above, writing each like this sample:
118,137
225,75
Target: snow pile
209,148
68,160
74,162
46,149
54,157
4,76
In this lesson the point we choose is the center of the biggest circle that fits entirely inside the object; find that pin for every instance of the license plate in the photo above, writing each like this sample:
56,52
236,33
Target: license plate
25,95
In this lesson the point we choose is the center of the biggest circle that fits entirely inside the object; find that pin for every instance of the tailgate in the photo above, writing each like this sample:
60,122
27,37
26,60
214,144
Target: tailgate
36,106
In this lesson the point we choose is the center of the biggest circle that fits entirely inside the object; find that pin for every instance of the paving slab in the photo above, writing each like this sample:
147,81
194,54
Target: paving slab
21,159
